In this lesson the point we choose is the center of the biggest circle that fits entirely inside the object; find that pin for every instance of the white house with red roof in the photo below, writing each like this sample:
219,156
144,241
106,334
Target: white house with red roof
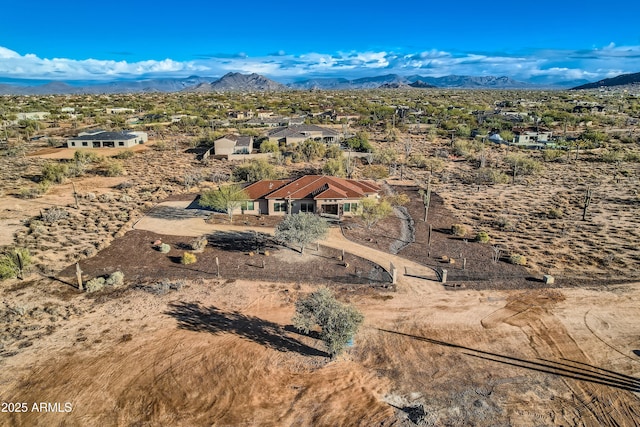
323,195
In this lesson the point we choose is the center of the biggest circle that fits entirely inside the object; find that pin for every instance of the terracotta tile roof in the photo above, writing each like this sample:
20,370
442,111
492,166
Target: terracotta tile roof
332,193
259,189
313,186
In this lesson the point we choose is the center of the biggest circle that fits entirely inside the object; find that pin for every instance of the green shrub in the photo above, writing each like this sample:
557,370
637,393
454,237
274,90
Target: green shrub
517,259
458,230
482,237
632,157
115,279
188,258
375,172
55,172
164,248
95,284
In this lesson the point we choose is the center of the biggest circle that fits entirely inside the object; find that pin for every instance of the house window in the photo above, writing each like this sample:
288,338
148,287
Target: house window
84,143
73,144
247,206
350,207
306,207
280,207
121,143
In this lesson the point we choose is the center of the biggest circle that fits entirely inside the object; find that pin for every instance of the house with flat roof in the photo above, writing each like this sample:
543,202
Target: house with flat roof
105,139
299,133
323,195
233,144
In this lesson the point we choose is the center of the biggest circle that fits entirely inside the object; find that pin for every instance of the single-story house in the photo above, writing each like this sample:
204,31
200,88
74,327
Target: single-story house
323,195
525,136
233,144
104,139
299,133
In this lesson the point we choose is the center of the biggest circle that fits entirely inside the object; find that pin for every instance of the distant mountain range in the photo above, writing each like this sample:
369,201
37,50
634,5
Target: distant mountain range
621,80
255,82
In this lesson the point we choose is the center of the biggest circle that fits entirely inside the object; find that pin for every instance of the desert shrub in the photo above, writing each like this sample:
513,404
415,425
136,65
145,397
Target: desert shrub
188,258
53,215
164,248
400,199
106,197
555,213
54,172
255,170
482,237
517,259
34,192
611,156
96,284
491,176
375,172
632,157
36,226
199,244
14,262
164,286
90,196
115,279
334,167
123,155
552,155
113,168
192,178
524,165
458,230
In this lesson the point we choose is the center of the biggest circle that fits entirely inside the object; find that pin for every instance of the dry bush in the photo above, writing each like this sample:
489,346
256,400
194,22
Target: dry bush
164,248
458,230
115,279
54,215
199,244
517,259
96,284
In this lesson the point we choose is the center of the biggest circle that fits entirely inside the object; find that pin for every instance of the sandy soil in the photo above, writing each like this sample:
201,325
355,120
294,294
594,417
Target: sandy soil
221,353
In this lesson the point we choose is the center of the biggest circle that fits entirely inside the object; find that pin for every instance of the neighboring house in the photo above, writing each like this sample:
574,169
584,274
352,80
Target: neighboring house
233,144
37,115
323,195
104,139
299,133
524,136
268,121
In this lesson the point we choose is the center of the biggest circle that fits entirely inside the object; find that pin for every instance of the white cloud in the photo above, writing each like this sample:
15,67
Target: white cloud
558,65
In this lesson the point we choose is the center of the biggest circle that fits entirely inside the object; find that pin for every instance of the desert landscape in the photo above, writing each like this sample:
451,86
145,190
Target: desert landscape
515,302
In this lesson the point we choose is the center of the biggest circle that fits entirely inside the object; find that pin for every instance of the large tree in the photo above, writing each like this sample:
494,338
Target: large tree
301,229
226,198
338,322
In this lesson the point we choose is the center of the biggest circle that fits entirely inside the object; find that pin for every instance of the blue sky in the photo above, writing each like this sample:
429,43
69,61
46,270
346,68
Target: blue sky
292,40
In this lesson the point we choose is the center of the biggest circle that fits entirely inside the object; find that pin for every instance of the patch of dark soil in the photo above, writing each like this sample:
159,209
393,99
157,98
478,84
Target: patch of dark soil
135,256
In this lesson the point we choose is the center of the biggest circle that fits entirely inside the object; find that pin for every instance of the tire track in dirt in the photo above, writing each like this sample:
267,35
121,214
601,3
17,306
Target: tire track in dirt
603,405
